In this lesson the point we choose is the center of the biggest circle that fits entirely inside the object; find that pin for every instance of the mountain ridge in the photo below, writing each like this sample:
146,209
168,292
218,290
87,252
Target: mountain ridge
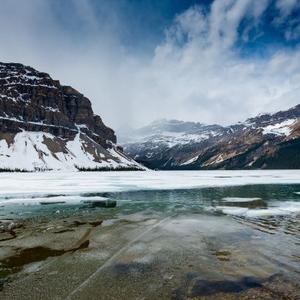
262,142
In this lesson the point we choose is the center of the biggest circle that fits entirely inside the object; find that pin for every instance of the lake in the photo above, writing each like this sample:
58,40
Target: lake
150,235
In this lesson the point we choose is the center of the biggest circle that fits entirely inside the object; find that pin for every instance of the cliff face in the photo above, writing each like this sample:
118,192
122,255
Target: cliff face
32,102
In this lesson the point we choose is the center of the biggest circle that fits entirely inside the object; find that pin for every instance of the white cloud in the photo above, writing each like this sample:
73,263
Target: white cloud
195,73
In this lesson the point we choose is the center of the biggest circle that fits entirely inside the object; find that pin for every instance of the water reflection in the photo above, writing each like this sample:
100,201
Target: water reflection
176,244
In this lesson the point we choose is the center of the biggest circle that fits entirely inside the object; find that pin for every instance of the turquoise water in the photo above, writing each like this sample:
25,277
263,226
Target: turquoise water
276,200
173,244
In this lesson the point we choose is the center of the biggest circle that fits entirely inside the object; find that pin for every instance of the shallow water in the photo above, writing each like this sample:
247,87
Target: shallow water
216,242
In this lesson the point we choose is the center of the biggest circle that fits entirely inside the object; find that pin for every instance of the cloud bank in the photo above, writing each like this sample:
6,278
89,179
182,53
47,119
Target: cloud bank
203,69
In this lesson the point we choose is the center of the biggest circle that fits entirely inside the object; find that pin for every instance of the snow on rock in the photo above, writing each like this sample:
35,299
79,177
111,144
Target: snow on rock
32,151
171,139
193,159
282,128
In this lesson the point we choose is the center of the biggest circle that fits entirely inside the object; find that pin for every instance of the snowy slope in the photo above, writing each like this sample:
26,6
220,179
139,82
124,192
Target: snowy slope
33,151
171,133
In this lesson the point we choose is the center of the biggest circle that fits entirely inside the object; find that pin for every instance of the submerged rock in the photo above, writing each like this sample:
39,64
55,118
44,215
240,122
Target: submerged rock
52,203
78,223
3,281
101,203
244,202
96,223
223,255
9,226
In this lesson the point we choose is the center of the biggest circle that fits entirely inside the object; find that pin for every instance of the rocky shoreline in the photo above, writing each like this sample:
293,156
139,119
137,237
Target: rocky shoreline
236,242
34,240
63,256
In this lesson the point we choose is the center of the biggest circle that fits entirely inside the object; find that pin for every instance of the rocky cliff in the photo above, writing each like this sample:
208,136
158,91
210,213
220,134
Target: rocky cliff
45,125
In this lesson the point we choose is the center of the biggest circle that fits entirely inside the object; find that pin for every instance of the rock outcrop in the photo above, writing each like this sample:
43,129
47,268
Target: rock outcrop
45,125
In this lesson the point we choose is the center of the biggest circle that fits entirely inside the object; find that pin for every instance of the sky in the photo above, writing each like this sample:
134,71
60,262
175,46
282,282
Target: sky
207,61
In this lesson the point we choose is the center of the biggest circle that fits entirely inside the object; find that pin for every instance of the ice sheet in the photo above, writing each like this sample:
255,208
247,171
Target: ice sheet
74,183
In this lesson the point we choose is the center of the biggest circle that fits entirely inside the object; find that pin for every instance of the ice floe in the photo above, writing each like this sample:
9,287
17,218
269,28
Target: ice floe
240,199
277,209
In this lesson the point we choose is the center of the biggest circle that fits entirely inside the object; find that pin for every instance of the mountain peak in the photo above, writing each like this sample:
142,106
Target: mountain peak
55,123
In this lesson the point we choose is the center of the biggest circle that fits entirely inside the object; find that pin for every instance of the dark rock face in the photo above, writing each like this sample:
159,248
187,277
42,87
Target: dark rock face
33,101
264,142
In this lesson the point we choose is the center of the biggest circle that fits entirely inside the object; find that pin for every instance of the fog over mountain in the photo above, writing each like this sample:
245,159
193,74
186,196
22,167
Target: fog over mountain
214,62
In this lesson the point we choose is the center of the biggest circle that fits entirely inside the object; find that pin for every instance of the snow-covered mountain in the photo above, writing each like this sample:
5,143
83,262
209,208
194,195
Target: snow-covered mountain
266,141
171,133
47,126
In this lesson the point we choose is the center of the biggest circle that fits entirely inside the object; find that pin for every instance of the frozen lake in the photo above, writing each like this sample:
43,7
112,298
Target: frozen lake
172,235
23,185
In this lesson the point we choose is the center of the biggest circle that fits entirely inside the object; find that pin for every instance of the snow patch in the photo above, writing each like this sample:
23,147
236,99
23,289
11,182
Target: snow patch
193,159
280,129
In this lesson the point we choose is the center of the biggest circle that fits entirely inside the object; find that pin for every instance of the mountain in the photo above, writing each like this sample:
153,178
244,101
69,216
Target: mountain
269,141
47,126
